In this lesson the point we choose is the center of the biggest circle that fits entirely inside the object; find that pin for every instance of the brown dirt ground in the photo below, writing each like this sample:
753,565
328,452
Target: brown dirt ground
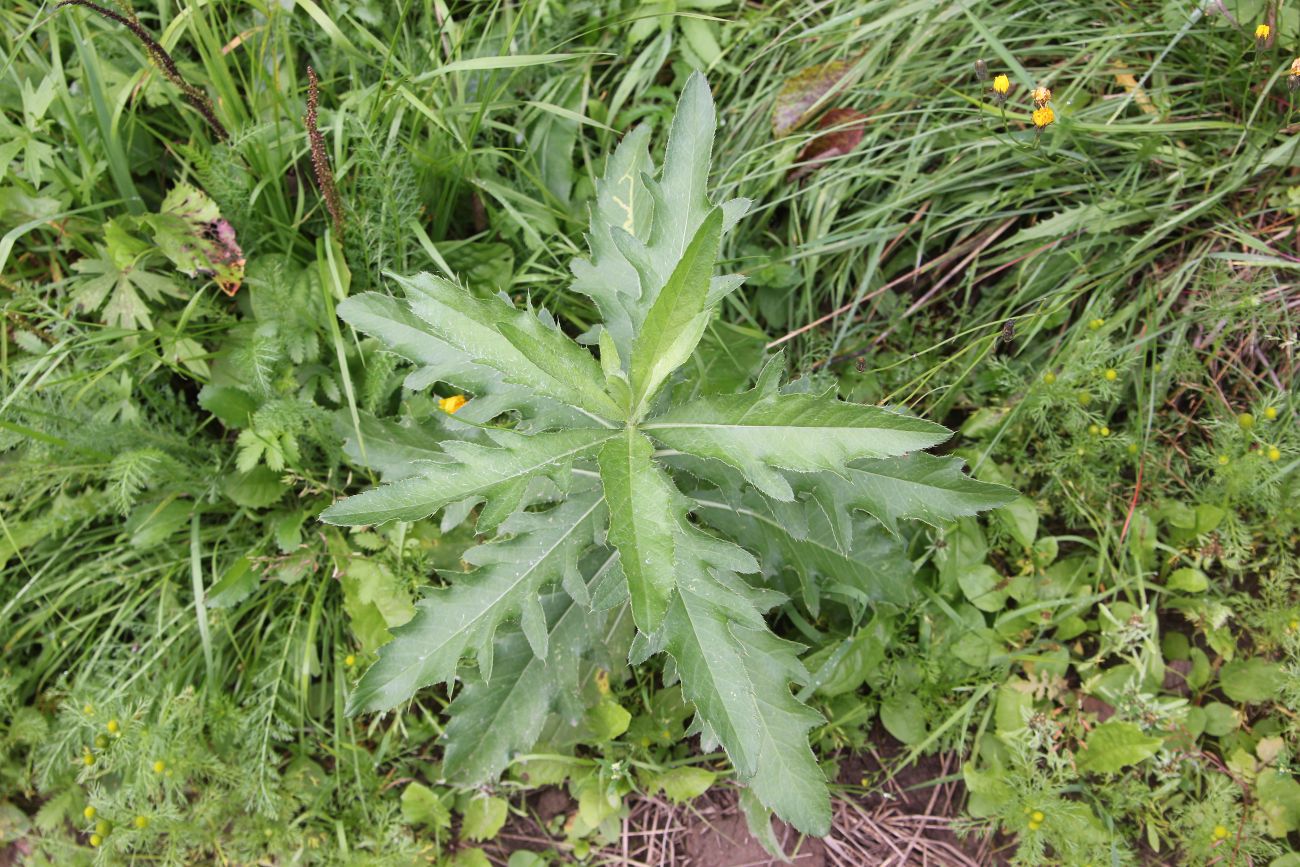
909,820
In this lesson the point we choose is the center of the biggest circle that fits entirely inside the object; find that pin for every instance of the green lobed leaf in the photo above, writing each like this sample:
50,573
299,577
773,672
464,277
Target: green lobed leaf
918,486
737,674
653,221
490,721
675,322
762,431
515,342
643,507
391,320
455,621
1114,745
499,475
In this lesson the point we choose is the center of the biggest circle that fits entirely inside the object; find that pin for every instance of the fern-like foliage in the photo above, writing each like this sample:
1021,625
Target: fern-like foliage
601,487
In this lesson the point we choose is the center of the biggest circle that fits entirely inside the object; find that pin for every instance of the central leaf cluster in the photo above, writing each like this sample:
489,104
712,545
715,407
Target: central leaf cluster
593,488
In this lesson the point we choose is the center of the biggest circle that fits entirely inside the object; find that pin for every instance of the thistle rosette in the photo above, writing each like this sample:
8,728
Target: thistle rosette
610,487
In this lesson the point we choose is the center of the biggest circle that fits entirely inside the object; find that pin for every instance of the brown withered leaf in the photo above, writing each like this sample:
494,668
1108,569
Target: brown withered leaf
843,127
798,96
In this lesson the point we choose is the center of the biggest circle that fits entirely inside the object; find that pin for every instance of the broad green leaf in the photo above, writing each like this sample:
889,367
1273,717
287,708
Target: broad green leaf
684,783
903,716
526,350
484,817
499,475
421,806
1251,680
644,508
1114,745
762,431
737,673
675,321
454,621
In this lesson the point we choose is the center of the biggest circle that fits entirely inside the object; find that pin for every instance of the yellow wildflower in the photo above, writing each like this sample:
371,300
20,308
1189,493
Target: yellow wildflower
1220,832
453,403
1274,453
1043,116
1270,413
1001,87
1112,374
1262,34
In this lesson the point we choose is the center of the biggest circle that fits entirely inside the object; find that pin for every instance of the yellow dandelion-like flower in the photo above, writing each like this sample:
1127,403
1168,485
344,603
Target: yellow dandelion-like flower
1001,87
1043,116
1042,96
453,403
1262,34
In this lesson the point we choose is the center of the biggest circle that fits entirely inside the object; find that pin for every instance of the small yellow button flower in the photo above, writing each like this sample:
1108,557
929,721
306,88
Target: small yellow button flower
113,727
1223,460
87,758
1096,324
159,766
453,403
89,812
1263,31
141,822
1274,453
1112,374
88,710
1270,413
1105,431
349,660
1220,832
1246,420
1049,378
1043,116
1037,816
96,840
1094,429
